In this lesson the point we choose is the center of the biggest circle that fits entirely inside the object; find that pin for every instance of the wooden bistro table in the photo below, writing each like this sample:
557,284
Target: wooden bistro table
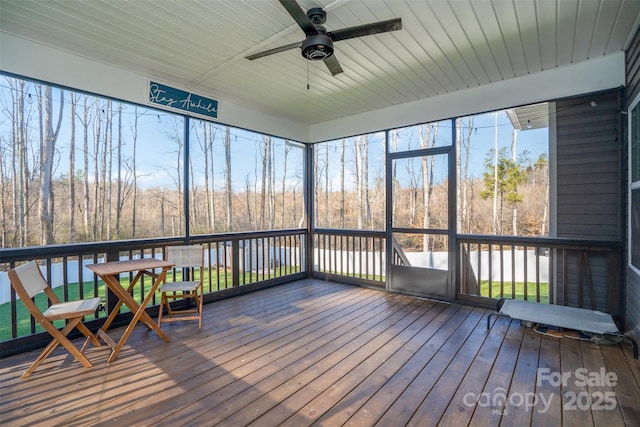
108,272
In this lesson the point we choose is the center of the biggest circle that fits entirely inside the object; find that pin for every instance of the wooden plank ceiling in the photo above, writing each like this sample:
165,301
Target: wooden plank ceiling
445,45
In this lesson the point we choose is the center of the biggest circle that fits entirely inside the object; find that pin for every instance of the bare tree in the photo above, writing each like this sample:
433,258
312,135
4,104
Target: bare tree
412,190
48,149
393,135
358,153
327,207
427,174
108,184
18,161
179,146
247,192
119,166
3,213
85,151
134,142
73,100
227,181
495,177
466,210
342,190
287,149
514,209
96,170
206,144
270,189
365,180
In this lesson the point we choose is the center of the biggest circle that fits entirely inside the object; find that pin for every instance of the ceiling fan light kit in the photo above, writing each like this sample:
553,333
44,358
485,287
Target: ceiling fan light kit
318,44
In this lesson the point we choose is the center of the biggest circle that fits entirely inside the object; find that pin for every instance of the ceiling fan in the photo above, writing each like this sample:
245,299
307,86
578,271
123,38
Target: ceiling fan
318,44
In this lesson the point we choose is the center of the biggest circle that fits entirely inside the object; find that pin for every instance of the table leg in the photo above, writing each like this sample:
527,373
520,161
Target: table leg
132,302
114,285
140,314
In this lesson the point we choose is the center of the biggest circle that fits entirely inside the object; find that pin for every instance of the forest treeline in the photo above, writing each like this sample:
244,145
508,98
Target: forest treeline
71,171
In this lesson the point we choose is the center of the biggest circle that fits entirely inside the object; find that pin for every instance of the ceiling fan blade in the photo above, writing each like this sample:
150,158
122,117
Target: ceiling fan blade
272,51
333,65
366,29
300,16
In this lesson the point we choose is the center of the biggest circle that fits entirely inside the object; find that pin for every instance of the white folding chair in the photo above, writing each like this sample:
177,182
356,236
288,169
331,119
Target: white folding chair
189,261
27,280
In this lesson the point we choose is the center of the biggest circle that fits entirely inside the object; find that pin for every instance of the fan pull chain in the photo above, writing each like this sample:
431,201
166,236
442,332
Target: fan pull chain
307,61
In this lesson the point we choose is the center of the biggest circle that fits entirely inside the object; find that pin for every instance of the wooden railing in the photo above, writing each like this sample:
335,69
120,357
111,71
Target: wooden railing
353,256
572,272
234,263
575,272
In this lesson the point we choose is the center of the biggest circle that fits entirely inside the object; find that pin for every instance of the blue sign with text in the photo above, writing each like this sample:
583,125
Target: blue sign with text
181,100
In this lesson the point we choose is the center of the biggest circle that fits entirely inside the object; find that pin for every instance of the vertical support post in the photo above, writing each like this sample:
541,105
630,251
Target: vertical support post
185,179
454,259
309,174
388,212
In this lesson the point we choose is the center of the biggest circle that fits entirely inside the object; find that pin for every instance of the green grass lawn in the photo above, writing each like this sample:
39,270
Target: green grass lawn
24,318
519,288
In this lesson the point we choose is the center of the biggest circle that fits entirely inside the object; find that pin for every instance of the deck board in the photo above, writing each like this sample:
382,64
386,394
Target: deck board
316,352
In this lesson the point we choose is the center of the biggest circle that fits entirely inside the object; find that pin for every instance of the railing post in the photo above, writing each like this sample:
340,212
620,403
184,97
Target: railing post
235,263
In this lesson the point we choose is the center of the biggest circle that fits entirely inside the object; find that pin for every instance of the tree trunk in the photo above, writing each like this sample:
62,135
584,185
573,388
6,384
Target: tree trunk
102,192
466,209
205,151
495,177
514,155
358,149
327,207
3,213
263,189
271,192
23,169
287,148
213,187
228,189
119,178
178,138
72,169
247,194
85,151
342,191
365,182
134,202
46,169
109,182
96,172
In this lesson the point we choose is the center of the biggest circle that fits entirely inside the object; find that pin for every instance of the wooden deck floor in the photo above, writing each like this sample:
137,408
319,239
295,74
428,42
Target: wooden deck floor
331,354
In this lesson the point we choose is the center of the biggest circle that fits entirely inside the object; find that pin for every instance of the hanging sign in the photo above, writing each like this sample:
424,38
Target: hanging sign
181,100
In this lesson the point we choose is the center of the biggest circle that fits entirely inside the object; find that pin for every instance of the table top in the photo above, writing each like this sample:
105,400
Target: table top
117,267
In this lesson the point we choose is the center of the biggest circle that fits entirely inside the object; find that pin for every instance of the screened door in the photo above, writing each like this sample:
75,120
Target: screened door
419,236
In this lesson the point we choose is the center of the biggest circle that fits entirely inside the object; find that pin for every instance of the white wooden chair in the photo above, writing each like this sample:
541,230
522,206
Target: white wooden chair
190,261
27,280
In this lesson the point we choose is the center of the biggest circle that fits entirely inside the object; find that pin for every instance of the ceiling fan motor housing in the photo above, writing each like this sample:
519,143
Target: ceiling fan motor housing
318,46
